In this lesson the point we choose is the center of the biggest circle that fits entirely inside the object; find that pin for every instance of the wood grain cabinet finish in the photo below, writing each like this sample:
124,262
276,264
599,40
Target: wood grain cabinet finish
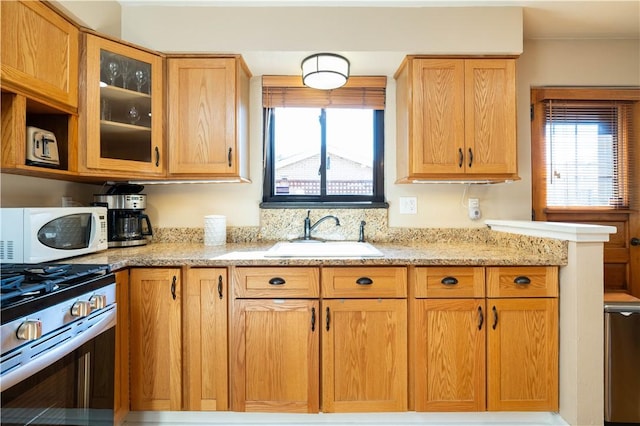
275,339
456,119
208,117
122,124
364,341
204,346
522,339
519,325
155,339
449,282
39,53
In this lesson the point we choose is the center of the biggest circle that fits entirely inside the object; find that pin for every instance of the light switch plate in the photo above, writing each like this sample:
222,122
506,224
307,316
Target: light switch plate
408,205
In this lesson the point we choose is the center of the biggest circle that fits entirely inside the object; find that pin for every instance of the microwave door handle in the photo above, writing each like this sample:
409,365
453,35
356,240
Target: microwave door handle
149,230
89,233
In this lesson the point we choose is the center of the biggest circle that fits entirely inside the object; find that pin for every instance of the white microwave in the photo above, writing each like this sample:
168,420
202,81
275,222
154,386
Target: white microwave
43,234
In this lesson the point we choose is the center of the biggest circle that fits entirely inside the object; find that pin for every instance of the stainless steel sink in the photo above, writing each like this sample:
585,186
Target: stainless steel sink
323,249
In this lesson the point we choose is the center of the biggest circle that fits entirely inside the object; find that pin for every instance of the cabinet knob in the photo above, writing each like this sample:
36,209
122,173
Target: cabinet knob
522,280
364,281
277,281
449,281
635,241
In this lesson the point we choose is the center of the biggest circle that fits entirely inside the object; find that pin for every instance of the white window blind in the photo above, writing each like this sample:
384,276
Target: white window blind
589,155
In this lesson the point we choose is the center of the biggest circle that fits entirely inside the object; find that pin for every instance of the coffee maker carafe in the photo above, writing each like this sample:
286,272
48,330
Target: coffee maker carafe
127,224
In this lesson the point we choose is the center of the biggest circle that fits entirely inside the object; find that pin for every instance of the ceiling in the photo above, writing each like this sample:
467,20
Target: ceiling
543,19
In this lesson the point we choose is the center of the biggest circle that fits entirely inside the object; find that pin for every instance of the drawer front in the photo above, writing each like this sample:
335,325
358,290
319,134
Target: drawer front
277,282
517,281
368,282
449,282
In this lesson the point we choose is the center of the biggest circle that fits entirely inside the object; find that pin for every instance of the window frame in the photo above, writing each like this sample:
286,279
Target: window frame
271,200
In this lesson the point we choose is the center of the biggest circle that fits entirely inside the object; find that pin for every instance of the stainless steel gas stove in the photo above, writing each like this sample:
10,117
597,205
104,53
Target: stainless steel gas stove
58,344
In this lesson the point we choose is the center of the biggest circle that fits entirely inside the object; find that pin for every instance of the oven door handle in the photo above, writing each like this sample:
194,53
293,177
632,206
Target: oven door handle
103,322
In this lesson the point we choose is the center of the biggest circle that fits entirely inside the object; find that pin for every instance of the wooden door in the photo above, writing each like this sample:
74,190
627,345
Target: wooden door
490,116
522,354
202,114
205,339
438,116
450,354
275,361
121,381
364,355
155,339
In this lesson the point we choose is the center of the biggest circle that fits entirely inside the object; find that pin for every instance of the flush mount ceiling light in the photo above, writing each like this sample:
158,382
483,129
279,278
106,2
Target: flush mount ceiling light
325,71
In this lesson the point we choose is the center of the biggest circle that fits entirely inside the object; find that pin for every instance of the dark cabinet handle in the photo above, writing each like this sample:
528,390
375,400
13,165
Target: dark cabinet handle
635,241
470,157
449,281
157,157
460,157
277,281
328,318
480,318
495,318
364,281
313,319
522,280
220,286
173,287
229,157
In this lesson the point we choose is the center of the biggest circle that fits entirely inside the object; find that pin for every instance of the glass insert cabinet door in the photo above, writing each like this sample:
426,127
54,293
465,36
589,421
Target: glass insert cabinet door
124,108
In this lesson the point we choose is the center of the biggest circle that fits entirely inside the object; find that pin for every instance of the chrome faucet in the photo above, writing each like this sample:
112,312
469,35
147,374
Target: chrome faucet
308,227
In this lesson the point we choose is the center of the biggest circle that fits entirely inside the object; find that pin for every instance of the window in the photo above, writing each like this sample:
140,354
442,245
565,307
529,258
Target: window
323,147
587,161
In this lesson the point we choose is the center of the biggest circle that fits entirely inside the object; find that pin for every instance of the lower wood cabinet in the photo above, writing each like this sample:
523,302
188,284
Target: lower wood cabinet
517,369
178,339
155,339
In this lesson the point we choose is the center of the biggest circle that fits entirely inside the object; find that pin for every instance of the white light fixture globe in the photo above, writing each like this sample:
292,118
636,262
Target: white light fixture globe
325,71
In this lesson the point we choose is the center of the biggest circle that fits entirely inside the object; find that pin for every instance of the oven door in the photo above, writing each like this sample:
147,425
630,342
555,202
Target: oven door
75,389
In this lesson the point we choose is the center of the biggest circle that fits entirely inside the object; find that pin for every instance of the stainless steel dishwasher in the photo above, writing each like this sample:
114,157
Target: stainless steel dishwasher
622,362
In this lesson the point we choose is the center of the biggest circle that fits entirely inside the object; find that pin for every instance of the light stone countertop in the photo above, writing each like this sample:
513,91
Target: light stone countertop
513,252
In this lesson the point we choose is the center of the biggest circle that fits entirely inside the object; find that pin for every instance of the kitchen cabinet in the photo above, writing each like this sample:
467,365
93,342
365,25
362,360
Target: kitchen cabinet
448,339
518,319
39,51
155,339
522,339
39,81
121,381
208,117
456,119
204,346
275,339
122,104
364,342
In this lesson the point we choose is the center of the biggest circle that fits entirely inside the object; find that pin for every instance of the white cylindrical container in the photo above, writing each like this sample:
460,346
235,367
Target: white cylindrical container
215,230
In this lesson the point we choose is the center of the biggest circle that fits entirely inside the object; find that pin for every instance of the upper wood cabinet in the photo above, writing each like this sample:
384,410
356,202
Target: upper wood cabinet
456,119
122,114
208,110
39,53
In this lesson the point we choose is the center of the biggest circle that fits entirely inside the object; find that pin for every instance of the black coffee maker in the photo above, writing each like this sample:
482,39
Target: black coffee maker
127,224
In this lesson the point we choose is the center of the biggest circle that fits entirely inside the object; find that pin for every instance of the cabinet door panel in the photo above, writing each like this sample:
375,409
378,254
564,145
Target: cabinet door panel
205,339
490,116
522,367
276,365
450,355
364,353
438,119
155,339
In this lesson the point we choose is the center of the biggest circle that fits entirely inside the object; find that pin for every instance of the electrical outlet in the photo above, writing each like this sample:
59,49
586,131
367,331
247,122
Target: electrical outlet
408,205
474,209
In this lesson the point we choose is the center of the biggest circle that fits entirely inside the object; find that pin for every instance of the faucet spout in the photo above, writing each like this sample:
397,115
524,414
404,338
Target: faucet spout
308,227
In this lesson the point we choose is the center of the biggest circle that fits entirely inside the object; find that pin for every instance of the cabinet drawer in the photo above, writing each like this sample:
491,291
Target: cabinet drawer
278,282
518,281
449,282
364,282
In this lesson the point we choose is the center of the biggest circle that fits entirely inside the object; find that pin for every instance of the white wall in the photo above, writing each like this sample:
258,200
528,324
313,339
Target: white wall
493,30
